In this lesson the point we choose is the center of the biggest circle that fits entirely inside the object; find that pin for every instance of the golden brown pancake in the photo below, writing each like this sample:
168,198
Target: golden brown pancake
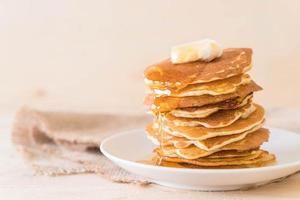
210,144
204,111
200,133
167,103
251,141
189,153
234,61
164,163
165,139
216,155
155,160
231,154
216,120
263,159
158,160
219,142
255,154
218,87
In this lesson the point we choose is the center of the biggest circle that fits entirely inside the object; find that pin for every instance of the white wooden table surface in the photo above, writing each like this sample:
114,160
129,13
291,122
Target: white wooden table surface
17,182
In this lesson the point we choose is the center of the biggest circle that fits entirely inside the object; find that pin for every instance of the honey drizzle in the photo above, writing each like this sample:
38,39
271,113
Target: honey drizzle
161,133
160,118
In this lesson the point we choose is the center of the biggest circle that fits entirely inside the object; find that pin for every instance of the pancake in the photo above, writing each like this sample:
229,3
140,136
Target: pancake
209,144
218,87
234,61
218,142
204,111
231,154
216,155
200,133
190,166
251,141
265,161
155,160
172,152
257,160
167,103
158,160
248,156
166,139
217,120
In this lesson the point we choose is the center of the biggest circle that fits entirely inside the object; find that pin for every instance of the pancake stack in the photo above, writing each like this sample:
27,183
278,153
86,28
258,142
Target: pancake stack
204,115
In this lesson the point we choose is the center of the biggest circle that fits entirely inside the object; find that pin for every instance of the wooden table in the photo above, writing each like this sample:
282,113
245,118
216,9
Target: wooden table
17,182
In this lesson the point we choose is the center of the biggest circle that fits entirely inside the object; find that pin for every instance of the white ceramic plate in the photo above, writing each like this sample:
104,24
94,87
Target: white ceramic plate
126,148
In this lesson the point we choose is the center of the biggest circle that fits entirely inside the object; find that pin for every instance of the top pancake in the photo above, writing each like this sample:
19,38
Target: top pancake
234,61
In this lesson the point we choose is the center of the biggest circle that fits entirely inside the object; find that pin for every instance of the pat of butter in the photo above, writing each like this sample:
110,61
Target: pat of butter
205,50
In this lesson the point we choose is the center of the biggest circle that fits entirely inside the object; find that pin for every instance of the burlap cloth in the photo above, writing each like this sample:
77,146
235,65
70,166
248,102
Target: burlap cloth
66,143
58,143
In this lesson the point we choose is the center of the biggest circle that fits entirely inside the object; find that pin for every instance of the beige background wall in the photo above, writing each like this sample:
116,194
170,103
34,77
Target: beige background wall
91,54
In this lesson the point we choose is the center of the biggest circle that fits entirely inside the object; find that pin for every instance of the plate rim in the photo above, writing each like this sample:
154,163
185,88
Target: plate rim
115,158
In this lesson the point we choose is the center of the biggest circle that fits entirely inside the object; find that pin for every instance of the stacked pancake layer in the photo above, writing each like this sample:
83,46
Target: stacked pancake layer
204,116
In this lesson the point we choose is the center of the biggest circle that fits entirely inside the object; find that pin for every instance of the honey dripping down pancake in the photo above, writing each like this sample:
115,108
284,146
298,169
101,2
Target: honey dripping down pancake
161,133
201,133
217,120
204,111
218,87
168,103
234,61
